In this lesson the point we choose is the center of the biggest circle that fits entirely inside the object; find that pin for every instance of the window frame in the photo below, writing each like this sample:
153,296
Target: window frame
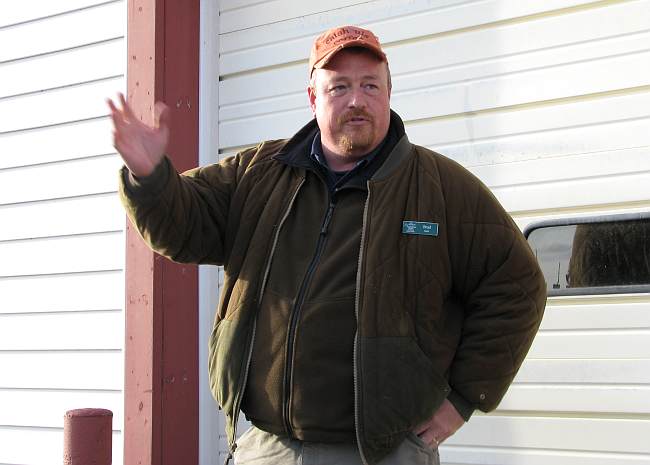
594,290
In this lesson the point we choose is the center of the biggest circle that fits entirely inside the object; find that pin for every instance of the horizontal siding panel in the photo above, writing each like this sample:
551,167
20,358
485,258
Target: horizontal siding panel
566,116
457,455
600,150
62,331
547,84
554,36
253,130
79,28
595,371
63,293
575,193
86,176
509,135
269,91
454,132
234,4
567,81
275,11
615,400
561,164
97,61
62,370
577,434
613,314
61,241
50,144
473,58
392,21
55,107
77,215
62,255
31,10
45,408
603,344
24,446
310,26
554,149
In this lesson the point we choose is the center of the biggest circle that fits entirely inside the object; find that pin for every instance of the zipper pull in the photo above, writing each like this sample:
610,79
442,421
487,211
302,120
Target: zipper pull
328,218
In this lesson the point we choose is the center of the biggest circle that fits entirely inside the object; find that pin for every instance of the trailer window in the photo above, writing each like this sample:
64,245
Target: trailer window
594,255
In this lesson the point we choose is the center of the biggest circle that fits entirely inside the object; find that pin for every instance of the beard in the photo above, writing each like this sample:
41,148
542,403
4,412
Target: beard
355,139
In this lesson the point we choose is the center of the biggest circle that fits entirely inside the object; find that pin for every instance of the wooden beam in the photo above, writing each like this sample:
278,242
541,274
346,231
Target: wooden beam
161,366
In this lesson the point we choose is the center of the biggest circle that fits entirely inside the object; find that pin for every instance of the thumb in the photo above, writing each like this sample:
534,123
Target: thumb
162,116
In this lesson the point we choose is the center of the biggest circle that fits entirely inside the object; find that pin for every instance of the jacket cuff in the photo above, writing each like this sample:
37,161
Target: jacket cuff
146,186
463,406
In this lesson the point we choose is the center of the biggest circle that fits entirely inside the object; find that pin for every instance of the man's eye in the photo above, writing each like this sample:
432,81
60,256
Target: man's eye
337,90
371,89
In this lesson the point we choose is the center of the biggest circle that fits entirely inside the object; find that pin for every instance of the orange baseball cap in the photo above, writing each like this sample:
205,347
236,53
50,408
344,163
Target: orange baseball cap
334,40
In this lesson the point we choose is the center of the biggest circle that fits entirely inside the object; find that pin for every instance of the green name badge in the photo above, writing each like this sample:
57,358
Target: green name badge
419,228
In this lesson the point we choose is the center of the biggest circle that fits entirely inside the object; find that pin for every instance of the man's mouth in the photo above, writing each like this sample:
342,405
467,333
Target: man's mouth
357,120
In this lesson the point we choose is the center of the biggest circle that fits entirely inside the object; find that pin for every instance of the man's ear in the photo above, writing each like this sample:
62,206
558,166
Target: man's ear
311,92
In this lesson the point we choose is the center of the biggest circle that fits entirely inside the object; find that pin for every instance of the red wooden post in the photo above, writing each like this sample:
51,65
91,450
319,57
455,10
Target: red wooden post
87,437
161,406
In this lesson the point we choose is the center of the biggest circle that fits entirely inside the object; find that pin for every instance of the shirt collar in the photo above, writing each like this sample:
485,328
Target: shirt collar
319,157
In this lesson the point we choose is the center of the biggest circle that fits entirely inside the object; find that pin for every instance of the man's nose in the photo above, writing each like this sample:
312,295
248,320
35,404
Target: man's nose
357,98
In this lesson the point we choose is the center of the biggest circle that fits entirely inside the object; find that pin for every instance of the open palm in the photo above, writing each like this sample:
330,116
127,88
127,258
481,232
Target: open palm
141,146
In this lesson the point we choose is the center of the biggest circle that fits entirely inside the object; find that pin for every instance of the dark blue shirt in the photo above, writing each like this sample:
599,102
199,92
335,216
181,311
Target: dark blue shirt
336,179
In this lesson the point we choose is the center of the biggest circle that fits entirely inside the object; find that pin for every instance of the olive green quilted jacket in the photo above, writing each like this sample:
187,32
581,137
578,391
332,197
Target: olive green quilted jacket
450,313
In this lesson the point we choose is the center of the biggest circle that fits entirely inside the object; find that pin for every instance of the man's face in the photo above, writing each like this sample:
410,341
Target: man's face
351,103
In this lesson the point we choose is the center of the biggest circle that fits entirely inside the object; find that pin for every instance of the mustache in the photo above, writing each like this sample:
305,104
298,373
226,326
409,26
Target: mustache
357,113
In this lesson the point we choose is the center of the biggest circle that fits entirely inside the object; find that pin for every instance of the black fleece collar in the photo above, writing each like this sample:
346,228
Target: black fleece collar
297,150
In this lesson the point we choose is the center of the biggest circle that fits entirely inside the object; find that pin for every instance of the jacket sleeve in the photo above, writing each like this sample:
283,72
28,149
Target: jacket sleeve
182,216
502,288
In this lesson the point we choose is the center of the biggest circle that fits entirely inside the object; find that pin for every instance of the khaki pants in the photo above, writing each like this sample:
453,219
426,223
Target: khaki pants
257,447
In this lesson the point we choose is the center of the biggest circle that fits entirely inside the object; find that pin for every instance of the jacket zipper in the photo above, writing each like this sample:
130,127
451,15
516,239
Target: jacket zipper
267,268
295,315
355,352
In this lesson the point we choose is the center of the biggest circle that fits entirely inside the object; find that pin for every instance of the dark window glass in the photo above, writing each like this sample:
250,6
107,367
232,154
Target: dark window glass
593,254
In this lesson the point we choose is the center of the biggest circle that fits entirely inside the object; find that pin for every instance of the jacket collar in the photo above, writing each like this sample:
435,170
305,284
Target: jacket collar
295,152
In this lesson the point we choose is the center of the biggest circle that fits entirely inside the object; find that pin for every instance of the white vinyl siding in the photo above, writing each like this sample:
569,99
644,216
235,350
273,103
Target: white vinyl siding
61,225
548,103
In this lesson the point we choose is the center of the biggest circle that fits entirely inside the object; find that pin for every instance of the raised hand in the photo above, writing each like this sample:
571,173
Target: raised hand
141,146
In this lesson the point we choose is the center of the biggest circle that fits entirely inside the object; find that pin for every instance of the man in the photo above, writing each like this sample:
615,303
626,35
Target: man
375,292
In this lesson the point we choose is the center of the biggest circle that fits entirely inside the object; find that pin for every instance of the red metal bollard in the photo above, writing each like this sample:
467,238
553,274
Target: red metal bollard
87,437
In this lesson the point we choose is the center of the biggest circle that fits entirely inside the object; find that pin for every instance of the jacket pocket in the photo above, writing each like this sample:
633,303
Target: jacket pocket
216,361
401,388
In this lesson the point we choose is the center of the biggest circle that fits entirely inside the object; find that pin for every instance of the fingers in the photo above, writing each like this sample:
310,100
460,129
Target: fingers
111,106
431,438
117,115
122,114
421,428
126,109
442,424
